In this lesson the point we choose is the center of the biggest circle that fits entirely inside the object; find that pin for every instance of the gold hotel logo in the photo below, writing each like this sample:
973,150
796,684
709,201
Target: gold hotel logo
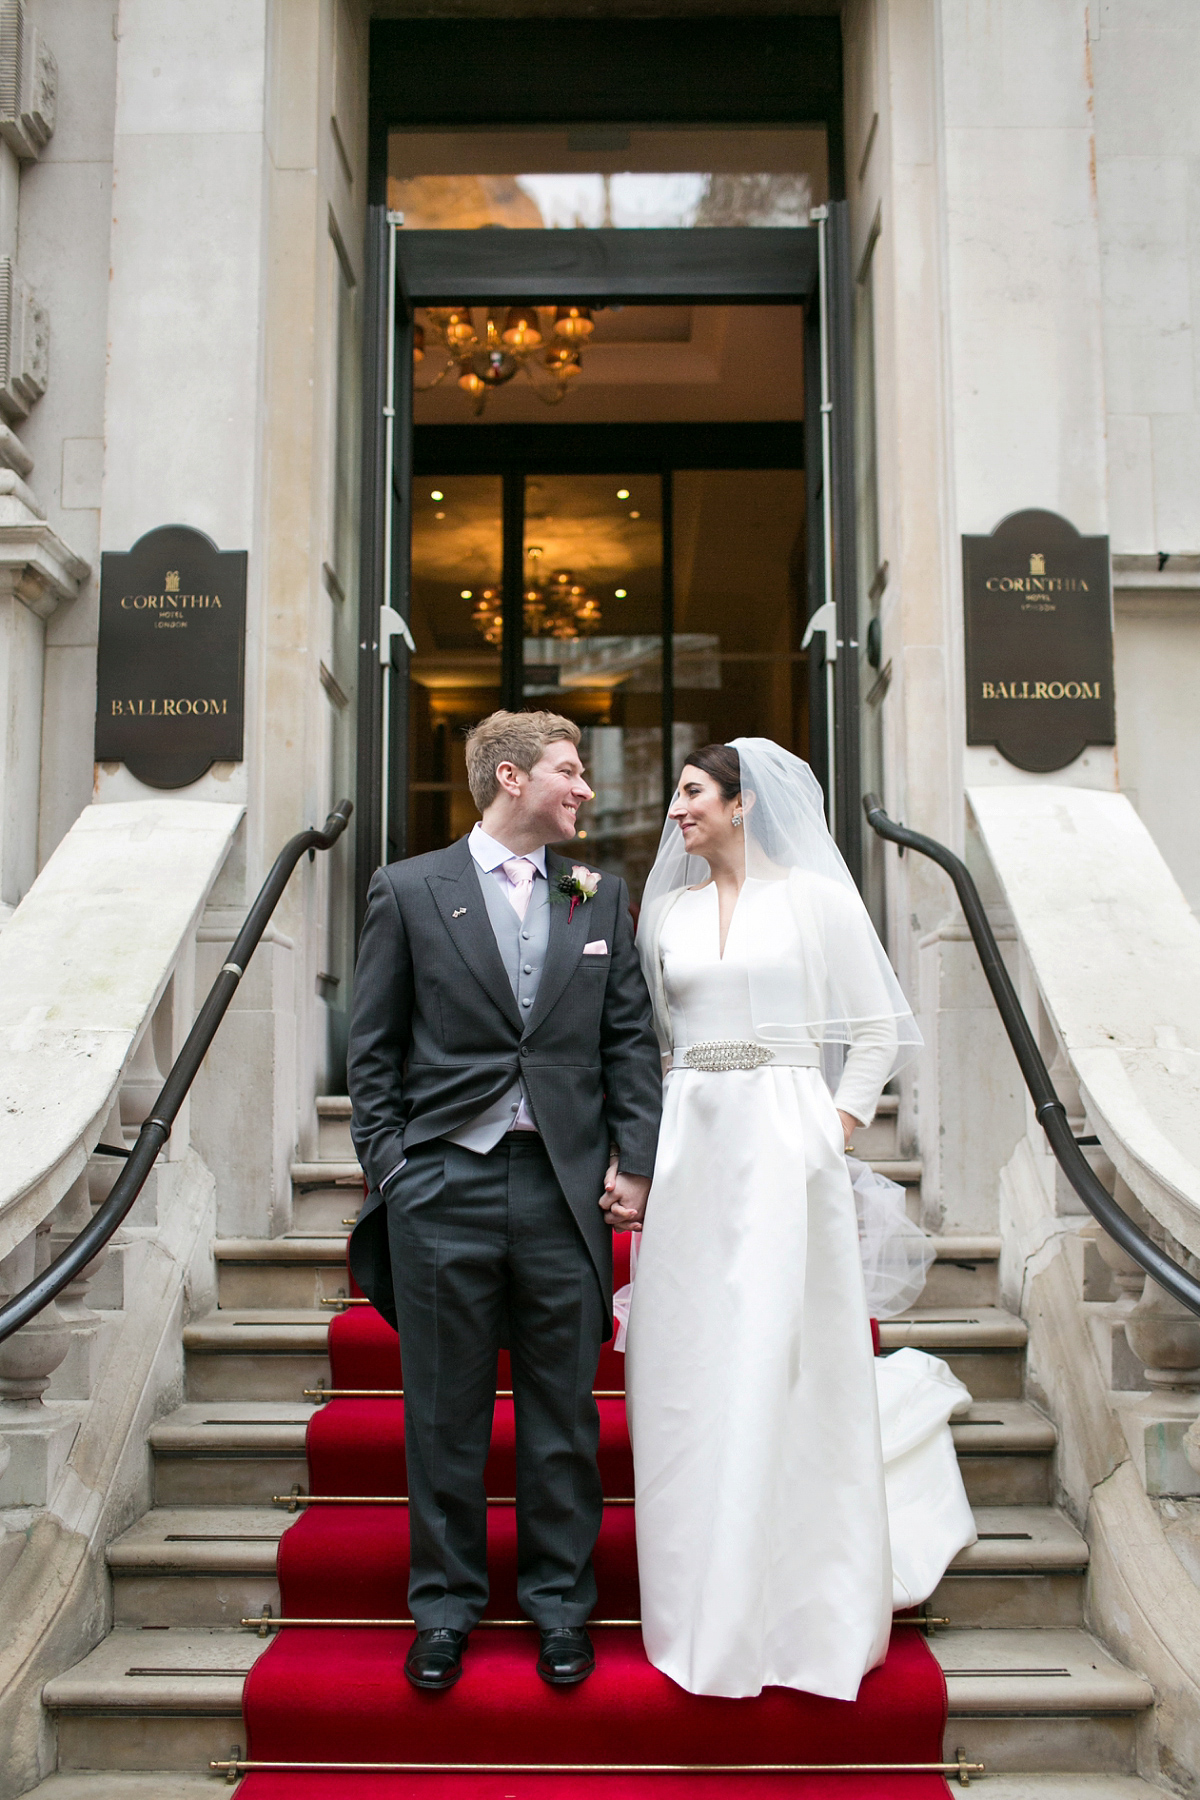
1037,582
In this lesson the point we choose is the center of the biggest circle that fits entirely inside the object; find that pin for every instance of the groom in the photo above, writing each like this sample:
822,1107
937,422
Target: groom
501,1047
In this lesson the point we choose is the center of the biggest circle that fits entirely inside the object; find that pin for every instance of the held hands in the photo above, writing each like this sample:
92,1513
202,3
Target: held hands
623,1201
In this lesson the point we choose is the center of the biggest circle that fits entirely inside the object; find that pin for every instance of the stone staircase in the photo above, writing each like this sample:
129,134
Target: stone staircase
1032,1694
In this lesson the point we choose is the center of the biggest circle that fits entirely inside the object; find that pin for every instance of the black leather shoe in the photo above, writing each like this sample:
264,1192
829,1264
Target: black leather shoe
567,1656
434,1659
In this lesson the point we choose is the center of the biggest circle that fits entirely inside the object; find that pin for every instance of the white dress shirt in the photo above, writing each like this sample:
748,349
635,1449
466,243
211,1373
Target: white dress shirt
490,855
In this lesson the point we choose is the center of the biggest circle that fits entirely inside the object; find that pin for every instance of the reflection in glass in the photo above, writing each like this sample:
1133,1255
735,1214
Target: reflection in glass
739,588
602,535
627,201
593,610
454,677
557,178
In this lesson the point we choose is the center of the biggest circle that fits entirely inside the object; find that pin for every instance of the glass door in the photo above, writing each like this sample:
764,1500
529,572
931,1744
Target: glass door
456,618
614,578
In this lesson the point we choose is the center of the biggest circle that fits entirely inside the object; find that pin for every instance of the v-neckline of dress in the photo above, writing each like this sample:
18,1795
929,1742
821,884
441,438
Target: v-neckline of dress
711,885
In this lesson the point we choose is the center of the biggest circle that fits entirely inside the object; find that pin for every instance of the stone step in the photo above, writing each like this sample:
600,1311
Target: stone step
323,1211
267,1353
301,1268
198,1565
1002,1786
1026,1571
215,1565
983,1345
241,1452
114,1712
110,1718
297,1270
124,1784
333,1127
335,1143
174,1784
334,1173
879,1138
1052,1699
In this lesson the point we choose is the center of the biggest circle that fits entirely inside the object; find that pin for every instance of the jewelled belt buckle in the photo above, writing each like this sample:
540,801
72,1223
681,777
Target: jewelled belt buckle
721,1054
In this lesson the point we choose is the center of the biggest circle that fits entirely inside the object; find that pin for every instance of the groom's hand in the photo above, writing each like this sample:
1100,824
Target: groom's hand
623,1201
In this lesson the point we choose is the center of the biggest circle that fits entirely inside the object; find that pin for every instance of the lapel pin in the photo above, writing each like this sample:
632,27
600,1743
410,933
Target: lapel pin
458,912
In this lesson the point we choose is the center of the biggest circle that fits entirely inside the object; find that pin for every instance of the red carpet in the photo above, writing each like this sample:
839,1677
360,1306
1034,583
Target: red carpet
338,1694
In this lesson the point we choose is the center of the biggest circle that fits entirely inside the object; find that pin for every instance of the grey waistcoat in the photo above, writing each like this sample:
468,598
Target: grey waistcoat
522,945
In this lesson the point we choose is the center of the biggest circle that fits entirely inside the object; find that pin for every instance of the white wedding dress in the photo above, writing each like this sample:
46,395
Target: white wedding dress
771,1448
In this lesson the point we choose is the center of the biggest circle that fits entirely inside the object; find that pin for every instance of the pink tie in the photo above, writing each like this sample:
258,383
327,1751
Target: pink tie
520,872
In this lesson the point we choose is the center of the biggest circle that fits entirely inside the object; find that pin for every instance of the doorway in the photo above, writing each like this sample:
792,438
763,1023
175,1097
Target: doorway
690,616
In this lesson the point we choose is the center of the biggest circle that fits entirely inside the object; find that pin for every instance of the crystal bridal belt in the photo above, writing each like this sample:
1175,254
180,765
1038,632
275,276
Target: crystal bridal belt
721,1054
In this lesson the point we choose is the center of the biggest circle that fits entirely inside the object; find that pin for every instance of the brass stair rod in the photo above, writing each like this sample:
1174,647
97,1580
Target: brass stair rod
235,1766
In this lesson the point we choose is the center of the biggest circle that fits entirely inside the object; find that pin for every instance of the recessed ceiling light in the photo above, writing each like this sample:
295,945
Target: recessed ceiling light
439,515
622,493
466,594
437,494
633,515
620,593
581,834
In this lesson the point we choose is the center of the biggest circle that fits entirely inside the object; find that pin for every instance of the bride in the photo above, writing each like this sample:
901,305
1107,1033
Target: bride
754,1399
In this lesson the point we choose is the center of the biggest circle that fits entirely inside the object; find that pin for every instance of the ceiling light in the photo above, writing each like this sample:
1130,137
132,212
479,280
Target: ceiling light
466,594
573,323
509,340
439,515
621,593
622,493
635,515
521,328
437,494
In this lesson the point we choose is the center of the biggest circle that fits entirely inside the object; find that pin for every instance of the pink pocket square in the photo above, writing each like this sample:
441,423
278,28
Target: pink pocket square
597,947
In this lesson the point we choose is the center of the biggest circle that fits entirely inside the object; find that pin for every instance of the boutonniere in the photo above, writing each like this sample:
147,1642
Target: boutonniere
578,886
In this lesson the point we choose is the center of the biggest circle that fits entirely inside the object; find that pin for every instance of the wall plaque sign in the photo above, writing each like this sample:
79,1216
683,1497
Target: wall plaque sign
1038,612
171,659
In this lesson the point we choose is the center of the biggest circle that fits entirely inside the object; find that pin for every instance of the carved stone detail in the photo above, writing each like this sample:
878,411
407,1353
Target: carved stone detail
1166,1336
29,1358
28,83
24,343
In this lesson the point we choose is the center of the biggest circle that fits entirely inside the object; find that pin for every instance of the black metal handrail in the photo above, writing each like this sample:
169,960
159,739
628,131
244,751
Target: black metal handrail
157,1127
1049,1109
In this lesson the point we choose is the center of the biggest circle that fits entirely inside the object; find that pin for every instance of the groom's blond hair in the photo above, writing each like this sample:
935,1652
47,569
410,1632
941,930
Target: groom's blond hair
517,738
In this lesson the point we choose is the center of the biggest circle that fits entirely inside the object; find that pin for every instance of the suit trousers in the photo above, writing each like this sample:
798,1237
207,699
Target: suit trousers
485,1250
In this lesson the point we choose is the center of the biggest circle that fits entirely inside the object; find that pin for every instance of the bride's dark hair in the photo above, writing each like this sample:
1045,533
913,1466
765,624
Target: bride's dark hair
722,763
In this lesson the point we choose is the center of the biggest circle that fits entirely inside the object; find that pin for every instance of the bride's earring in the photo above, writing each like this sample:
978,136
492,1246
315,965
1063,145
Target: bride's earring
736,821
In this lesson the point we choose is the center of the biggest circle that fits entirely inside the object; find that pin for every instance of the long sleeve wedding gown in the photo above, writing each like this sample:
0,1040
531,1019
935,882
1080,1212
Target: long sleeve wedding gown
760,1418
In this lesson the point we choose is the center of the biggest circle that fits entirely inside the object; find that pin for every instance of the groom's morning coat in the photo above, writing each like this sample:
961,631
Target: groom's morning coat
437,1036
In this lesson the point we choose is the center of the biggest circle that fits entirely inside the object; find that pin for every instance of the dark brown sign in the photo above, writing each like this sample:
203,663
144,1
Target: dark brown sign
171,658
1038,613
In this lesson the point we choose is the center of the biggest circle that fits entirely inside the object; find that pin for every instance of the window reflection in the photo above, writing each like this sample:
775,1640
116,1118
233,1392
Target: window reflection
629,200
640,178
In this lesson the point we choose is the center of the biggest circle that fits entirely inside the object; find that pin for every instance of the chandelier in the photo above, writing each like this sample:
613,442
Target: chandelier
558,608
545,342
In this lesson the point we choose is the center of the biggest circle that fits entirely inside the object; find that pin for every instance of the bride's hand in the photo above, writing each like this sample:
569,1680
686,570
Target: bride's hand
849,1125
623,1201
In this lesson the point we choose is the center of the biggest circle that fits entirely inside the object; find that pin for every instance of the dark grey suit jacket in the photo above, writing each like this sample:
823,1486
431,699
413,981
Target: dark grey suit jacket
436,1035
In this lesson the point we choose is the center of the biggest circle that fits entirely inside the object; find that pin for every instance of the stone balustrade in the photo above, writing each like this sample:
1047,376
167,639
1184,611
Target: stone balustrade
1108,966
96,996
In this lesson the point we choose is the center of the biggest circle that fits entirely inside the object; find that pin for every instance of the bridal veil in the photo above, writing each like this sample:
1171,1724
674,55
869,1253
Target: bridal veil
841,990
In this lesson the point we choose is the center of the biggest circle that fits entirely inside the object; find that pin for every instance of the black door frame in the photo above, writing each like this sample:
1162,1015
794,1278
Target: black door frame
472,73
